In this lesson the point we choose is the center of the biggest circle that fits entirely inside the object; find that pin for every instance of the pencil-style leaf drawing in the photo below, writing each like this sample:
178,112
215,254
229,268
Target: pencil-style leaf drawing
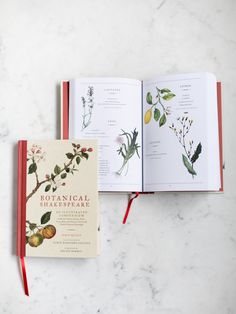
128,147
189,156
88,105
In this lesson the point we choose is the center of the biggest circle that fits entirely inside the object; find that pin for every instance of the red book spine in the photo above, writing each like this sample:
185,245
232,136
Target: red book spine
21,197
65,110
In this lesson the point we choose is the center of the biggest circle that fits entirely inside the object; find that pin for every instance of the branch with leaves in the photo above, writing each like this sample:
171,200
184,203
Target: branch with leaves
158,110
190,155
88,105
127,149
59,174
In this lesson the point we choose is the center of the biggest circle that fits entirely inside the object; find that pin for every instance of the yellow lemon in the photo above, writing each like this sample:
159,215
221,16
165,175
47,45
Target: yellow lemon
148,116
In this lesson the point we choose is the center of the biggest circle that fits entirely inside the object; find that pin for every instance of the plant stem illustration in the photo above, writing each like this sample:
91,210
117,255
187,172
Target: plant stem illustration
88,105
158,110
36,233
190,155
128,147
59,174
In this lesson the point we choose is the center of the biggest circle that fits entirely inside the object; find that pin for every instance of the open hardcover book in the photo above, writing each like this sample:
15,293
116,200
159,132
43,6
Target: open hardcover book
58,213
163,134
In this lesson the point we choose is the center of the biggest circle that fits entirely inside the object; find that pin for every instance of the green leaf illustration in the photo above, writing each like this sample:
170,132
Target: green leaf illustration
69,155
127,150
52,176
162,121
168,96
196,153
165,90
188,165
149,98
32,168
54,189
63,175
85,155
48,187
157,114
78,159
45,218
57,169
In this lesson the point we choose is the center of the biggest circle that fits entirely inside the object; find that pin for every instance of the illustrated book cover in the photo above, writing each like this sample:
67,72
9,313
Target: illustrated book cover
58,212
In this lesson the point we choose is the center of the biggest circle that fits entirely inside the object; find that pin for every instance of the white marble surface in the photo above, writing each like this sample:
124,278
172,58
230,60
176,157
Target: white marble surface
177,253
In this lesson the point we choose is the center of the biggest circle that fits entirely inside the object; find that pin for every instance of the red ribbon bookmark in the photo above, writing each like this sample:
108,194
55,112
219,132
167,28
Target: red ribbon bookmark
23,269
129,206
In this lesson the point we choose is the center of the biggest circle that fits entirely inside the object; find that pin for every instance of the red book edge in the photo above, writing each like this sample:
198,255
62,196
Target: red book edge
65,110
21,209
21,198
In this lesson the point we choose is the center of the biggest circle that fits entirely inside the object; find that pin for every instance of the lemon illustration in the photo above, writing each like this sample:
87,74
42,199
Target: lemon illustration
148,116
35,240
49,231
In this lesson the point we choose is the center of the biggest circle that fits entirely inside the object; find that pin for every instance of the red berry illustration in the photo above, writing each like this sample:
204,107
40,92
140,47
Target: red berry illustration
83,150
90,149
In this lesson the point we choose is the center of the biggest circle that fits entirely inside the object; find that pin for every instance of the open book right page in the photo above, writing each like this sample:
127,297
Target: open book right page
180,133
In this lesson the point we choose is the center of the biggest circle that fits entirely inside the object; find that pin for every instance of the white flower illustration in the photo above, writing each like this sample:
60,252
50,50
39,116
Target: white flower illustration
35,153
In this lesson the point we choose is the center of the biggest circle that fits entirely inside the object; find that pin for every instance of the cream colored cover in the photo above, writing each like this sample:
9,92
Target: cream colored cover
62,199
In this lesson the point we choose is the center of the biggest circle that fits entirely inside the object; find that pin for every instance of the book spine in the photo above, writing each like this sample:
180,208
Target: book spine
219,104
65,110
21,198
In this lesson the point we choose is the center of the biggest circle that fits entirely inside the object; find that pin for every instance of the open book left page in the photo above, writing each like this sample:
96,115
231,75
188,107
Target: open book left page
110,109
58,213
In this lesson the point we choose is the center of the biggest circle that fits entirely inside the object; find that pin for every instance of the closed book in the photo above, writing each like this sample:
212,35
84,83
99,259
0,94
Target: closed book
58,212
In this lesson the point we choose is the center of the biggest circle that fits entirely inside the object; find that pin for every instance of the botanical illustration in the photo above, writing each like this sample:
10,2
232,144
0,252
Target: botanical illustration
128,148
158,110
190,155
58,175
37,233
88,105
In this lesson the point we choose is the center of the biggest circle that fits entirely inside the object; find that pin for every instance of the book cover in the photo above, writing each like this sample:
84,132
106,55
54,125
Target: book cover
58,214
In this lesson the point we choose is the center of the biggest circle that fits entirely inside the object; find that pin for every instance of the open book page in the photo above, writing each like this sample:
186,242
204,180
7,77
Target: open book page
110,109
180,133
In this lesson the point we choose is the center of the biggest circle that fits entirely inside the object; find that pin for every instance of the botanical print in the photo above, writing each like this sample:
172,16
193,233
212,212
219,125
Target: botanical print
57,177
36,233
191,155
88,105
128,147
158,110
